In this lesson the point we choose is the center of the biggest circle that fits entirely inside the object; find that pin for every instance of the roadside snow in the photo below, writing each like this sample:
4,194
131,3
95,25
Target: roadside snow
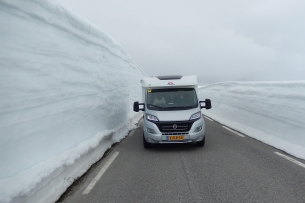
272,112
66,96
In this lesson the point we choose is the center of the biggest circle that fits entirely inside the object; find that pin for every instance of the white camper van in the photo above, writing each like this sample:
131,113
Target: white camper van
172,112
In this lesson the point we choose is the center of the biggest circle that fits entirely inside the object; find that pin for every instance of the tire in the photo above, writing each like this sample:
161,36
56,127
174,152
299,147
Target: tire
201,143
145,143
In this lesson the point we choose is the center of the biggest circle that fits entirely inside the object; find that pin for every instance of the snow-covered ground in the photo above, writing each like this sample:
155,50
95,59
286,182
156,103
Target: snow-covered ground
272,112
66,87
66,96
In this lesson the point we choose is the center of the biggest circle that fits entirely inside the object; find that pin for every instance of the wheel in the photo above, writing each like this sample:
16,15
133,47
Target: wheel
201,143
145,143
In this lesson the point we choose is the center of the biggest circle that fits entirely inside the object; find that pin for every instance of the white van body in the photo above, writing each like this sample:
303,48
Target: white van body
172,112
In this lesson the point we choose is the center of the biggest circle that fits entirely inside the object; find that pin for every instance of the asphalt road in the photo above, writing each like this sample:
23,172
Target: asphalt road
229,168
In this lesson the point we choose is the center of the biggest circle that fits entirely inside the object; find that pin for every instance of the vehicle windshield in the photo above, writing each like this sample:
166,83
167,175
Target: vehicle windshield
171,99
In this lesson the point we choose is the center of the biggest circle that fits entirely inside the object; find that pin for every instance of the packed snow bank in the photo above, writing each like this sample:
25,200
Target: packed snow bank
273,112
66,96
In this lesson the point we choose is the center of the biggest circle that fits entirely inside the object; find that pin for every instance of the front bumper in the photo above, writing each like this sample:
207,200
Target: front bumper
159,137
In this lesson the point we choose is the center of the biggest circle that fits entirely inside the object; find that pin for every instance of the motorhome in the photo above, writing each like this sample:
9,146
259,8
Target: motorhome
172,111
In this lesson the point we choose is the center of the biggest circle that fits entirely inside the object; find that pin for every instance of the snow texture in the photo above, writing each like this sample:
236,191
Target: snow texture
272,112
66,96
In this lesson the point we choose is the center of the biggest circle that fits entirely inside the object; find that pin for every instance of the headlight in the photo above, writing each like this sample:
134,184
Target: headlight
195,116
151,117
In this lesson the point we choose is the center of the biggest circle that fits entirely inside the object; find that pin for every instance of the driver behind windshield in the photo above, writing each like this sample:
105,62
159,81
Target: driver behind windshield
159,99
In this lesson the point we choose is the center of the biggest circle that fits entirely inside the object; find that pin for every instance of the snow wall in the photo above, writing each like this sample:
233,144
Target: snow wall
272,112
66,96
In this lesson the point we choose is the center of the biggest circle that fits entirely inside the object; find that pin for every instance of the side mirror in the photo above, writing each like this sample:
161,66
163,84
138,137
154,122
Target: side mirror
208,104
136,106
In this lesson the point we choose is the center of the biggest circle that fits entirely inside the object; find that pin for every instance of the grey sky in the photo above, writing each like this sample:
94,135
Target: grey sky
218,40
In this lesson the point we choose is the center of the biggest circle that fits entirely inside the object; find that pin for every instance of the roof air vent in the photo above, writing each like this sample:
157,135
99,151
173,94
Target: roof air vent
169,77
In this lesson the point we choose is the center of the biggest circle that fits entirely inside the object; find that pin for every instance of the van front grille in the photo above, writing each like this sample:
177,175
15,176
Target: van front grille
174,126
175,133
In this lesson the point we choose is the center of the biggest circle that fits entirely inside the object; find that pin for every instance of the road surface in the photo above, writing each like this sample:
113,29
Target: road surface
231,167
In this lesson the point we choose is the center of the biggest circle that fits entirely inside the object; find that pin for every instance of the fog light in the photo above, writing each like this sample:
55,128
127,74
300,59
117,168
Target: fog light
199,139
150,140
198,129
151,131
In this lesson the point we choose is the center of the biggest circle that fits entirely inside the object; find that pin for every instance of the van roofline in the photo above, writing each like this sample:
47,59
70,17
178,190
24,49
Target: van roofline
169,81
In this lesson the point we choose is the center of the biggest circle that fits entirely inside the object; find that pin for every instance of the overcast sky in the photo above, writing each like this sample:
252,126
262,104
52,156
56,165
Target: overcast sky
218,40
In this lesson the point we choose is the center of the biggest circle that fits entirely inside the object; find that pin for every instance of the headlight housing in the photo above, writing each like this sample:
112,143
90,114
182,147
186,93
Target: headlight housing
195,116
151,117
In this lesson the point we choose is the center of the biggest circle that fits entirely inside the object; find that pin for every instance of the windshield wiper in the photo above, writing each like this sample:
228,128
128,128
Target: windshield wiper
173,107
178,107
150,105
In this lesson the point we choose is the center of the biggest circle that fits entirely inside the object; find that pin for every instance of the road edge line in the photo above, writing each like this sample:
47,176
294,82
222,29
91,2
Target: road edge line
290,159
233,131
131,133
209,118
99,175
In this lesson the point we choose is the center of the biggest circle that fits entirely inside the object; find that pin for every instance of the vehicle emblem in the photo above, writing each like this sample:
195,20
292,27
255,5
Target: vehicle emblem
170,83
175,126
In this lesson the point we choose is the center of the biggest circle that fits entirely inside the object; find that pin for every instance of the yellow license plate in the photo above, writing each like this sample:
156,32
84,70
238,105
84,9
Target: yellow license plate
180,137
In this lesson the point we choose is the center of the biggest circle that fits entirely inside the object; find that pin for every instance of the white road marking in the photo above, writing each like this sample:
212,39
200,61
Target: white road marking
209,118
130,134
99,175
233,131
291,159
